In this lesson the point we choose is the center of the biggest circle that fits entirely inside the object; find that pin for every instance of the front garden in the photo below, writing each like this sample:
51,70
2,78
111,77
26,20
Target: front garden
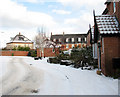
77,58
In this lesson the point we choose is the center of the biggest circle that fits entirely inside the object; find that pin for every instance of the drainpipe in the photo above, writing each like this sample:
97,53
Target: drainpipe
99,48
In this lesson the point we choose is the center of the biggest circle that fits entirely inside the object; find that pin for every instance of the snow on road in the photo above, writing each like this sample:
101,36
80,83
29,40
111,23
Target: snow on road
21,78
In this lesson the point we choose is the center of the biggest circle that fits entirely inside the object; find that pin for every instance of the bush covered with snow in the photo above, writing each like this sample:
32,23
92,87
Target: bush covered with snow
83,57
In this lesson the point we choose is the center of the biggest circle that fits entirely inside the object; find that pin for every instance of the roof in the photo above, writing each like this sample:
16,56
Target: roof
21,39
108,1
105,11
68,35
107,24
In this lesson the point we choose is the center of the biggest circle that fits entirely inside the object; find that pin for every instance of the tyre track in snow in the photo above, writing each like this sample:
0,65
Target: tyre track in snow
21,78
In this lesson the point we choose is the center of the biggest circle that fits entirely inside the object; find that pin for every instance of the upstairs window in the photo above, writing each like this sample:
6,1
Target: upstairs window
72,39
85,38
67,39
21,38
59,39
114,7
79,39
54,40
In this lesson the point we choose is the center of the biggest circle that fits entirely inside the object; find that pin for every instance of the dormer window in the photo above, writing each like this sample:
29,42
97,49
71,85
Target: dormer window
21,38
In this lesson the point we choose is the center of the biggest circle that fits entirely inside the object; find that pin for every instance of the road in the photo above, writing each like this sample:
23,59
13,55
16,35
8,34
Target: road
21,78
24,74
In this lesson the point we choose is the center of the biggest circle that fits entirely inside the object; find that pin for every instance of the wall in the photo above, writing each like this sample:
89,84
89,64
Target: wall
111,11
48,52
75,45
111,50
12,45
88,39
15,53
117,13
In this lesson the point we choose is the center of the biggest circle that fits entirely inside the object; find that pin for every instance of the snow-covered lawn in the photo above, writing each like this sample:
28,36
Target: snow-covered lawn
21,75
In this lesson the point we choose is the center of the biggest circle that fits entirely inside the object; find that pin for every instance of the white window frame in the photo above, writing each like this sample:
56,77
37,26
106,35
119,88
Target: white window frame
67,45
79,39
73,39
67,39
54,40
73,45
59,39
85,39
114,7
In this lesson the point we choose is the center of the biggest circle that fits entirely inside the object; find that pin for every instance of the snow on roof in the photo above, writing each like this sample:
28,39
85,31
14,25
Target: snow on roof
107,24
21,38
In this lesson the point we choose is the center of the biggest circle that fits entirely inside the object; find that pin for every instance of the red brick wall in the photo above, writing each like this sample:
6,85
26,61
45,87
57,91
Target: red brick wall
48,52
117,13
111,50
111,11
110,8
15,53
88,40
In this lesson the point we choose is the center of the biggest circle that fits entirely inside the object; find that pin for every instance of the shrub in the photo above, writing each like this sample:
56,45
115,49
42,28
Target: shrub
82,57
23,48
32,53
12,54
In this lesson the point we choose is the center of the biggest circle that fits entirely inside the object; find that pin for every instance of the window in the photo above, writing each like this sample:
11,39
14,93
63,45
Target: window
59,39
67,39
54,40
72,45
67,46
85,38
72,39
53,50
21,38
114,7
79,39
102,45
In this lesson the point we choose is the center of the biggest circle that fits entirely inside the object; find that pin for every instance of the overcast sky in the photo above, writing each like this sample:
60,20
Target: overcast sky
56,16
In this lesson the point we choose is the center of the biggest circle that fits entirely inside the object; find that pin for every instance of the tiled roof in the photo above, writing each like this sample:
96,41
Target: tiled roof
107,24
21,38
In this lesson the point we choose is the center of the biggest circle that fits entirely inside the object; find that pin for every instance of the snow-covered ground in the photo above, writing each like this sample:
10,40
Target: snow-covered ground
21,75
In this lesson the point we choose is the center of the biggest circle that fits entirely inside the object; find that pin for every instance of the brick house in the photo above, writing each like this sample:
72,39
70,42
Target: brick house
20,40
107,37
68,41
49,49
90,42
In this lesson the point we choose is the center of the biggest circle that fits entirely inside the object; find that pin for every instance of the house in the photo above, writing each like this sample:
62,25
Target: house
20,40
107,38
68,41
49,49
90,43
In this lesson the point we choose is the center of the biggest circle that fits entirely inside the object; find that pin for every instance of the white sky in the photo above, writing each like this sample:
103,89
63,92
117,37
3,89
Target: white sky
25,16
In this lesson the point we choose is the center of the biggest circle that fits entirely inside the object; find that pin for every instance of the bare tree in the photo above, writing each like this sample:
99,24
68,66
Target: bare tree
40,40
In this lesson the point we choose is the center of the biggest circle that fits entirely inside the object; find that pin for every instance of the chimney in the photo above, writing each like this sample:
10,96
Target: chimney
63,33
51,33
19,33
